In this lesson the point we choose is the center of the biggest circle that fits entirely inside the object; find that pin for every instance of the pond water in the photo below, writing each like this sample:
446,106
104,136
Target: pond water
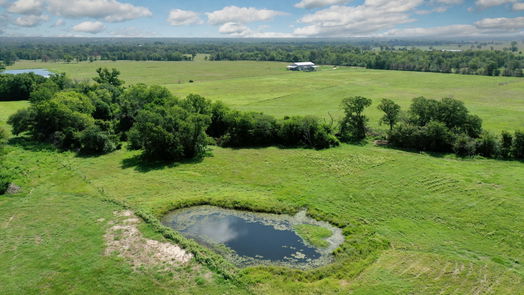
248,238
41,72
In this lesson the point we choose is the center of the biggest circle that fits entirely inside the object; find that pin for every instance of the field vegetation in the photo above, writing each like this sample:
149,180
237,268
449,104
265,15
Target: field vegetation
413,222
267,87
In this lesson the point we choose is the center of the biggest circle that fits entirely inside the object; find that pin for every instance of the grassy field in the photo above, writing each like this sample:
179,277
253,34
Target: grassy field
452,226
268,87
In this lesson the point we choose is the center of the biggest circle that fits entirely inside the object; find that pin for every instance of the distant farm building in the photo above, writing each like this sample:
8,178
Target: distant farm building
302,66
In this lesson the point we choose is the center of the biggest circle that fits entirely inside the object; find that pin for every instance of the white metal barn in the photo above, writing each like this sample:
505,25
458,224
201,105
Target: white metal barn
302,66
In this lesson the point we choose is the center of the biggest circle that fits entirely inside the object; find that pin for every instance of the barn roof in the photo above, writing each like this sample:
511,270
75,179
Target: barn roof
307,63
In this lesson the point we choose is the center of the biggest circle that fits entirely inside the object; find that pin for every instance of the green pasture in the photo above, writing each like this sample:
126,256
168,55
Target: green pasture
453,226
269,88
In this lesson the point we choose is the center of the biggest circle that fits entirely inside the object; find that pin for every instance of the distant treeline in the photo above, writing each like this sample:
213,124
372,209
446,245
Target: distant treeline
372,56
470,62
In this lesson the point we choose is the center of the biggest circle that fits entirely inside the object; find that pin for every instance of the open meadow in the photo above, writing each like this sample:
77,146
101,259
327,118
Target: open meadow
414,223
267,87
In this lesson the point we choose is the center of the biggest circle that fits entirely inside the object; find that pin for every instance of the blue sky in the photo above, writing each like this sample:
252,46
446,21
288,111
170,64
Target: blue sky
264,19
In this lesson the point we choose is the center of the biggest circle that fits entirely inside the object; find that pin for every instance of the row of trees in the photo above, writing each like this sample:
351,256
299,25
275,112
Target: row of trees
442,126
96,118
474,62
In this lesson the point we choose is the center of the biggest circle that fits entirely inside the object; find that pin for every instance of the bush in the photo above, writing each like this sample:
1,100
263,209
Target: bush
169,133
95,141
506,145
306,132
487,145
453,113
464,146
18,87
222,119
434,137
250,129
518,145
5,179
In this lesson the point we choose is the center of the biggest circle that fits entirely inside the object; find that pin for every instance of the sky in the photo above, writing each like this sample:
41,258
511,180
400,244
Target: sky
438,19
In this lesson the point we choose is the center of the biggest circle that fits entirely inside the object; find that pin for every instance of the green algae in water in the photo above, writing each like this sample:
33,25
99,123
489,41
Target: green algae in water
314,234
248,238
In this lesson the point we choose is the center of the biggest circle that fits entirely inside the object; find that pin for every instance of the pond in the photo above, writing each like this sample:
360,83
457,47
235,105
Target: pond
248,238
41,72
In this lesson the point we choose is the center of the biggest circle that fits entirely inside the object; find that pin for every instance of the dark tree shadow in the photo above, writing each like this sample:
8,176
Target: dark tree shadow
415,151
143,165
29,144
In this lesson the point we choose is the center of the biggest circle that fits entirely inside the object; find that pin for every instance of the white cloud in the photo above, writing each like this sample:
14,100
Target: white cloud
436,9
501,24
33,7
109,10
490,3
89,27
370,17
59,22
485,27
310,4
243,31
179,17
448,2
518,6
234,29
243,15
30,20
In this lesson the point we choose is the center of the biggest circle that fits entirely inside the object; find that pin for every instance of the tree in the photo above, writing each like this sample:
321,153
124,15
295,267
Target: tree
487,145
423,110
391,112
306,131
518,145
464,146
353,125
2,66
93,140
506,144
108,77
169,132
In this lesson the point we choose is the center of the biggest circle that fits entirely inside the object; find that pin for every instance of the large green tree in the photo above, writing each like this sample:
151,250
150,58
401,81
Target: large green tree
353,125
391,112
169,132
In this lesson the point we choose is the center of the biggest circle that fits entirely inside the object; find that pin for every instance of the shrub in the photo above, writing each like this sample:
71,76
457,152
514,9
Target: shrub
93,140
487,145
169,133
250,129
435,137
5,179
135,98
506,144
21,121
306,132
464,146
18,87
518,145
222,119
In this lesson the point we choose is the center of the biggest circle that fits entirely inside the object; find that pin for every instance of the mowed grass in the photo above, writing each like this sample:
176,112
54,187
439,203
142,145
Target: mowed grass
454,226
268,87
